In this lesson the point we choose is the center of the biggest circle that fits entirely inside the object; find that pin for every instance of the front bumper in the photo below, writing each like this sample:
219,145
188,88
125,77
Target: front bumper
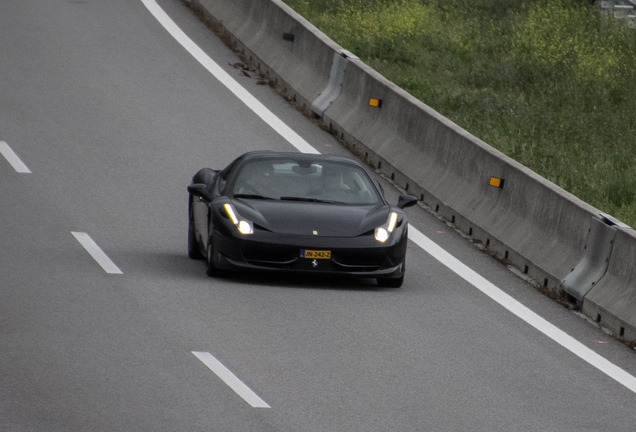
361,256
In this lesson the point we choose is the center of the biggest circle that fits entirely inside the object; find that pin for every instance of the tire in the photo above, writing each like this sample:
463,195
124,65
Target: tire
390,282
193,247
211,269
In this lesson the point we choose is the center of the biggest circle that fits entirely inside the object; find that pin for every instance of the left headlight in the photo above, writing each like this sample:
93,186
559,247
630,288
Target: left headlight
243,226
382,233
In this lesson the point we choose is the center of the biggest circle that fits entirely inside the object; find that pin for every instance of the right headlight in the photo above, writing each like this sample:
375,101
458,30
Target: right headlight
382,233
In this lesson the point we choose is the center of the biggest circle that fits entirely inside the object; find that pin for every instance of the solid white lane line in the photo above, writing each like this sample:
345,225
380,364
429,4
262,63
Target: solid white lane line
230,379
13,158
416,236
539,323
96,252
270,118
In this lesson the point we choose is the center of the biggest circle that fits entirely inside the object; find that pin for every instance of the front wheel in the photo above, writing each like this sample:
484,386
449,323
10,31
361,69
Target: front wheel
212,270
193,247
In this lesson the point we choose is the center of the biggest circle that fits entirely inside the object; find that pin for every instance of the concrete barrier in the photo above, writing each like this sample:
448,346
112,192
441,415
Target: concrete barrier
285,47
529,222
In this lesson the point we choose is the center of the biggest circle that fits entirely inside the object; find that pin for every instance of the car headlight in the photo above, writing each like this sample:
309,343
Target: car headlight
243,226
382,233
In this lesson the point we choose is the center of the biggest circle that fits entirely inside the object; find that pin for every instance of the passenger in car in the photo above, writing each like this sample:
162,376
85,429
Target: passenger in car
256,180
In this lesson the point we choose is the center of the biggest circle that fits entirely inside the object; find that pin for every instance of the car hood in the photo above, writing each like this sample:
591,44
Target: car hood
303,218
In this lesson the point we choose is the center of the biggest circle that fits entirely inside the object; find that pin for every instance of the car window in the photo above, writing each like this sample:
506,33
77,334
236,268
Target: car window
305,180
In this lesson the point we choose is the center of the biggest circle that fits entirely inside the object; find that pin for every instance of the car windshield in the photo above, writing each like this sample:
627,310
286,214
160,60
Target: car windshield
312,181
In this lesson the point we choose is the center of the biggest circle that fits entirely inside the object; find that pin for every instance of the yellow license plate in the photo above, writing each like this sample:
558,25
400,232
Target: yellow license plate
314,254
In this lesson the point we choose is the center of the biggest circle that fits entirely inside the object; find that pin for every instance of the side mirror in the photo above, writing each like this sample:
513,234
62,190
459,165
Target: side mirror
199,190
406,201
205,175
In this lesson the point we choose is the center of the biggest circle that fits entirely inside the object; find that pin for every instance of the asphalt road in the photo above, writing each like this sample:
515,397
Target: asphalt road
112,117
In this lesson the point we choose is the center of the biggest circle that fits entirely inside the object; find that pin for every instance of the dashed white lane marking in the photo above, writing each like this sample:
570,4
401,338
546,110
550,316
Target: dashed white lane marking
246,97
416,236
13,158
230,379
96,252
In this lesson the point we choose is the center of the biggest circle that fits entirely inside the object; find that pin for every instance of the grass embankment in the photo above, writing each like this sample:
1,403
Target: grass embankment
533,79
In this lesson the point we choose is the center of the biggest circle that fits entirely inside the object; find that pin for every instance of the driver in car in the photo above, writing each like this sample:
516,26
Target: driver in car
332,187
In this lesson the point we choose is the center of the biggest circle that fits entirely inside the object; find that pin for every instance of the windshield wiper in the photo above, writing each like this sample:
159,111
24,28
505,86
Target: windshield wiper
292,198
253,196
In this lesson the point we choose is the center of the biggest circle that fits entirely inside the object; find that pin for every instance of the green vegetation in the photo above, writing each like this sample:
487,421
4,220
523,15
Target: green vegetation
534,79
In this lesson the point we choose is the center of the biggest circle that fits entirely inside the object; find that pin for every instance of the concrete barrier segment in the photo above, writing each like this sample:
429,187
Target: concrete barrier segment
611,302
300,67
592,267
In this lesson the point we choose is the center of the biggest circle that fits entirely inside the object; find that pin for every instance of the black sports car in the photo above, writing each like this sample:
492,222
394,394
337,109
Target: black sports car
297,212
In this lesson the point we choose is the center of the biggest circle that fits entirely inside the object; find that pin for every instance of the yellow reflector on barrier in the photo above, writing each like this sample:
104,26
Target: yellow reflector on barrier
375,103
496,182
